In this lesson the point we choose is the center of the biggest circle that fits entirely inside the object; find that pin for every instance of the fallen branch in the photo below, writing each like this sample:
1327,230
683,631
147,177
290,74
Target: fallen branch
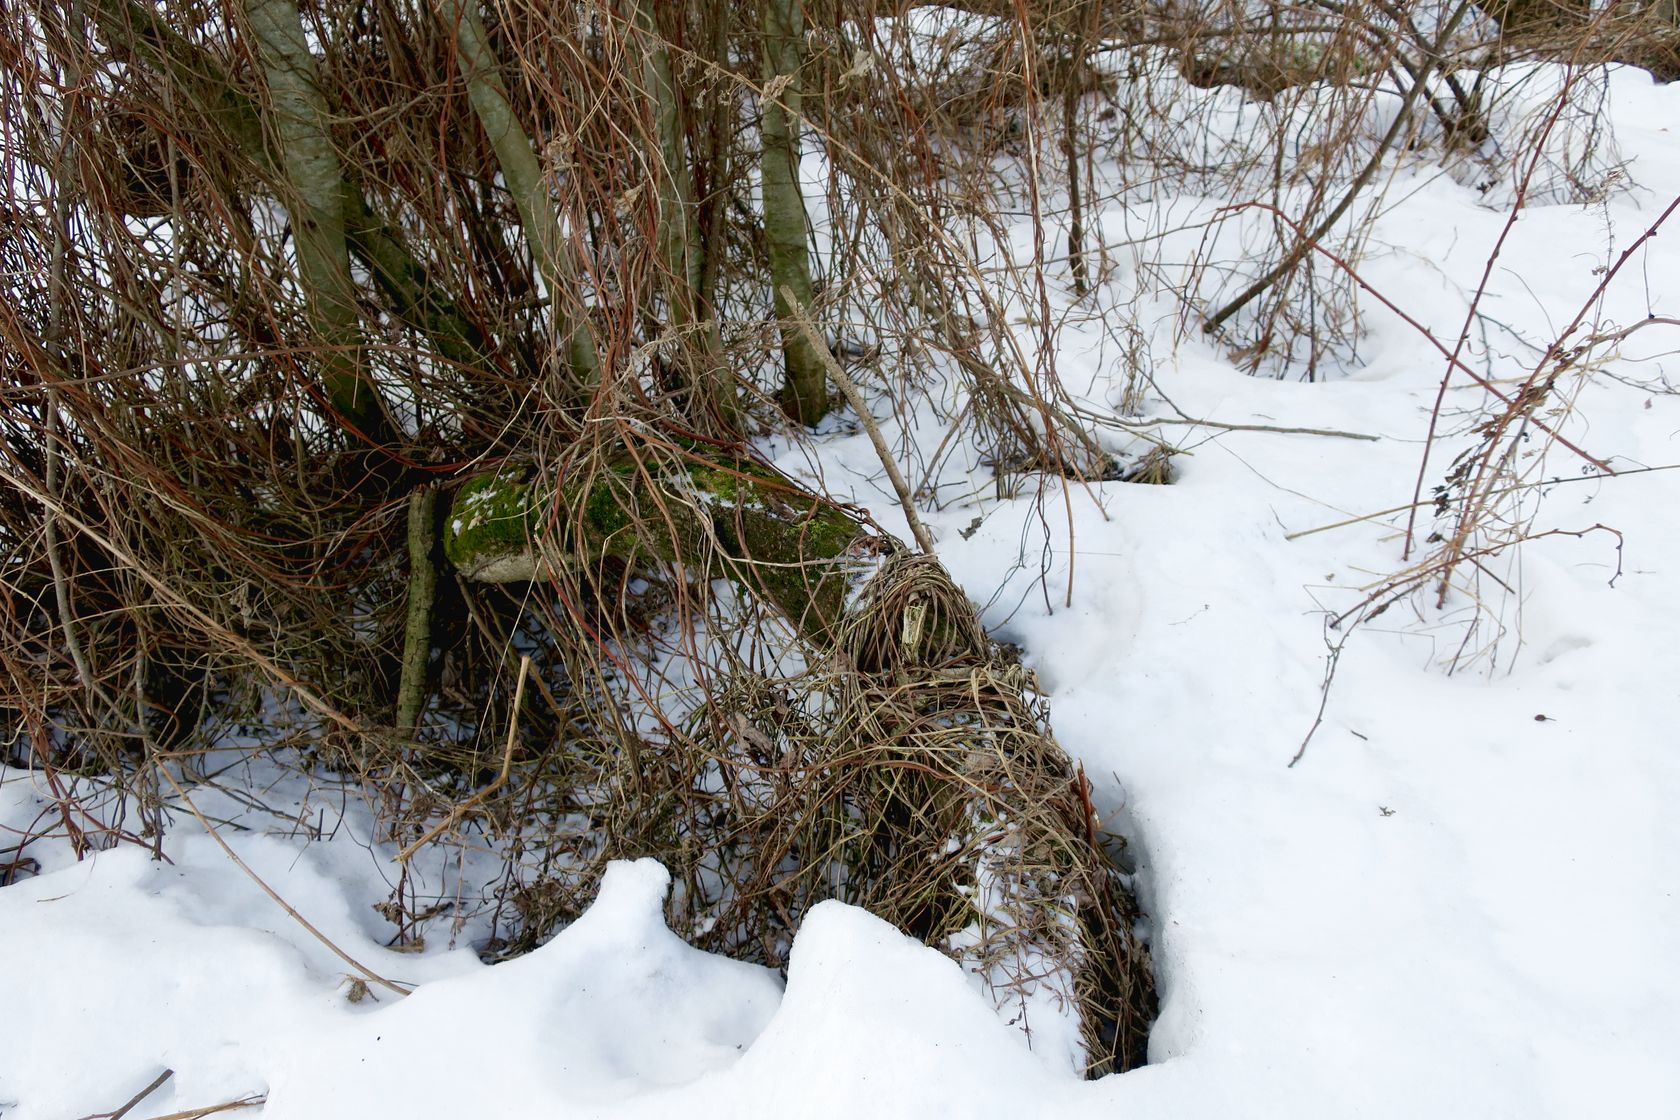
1274,429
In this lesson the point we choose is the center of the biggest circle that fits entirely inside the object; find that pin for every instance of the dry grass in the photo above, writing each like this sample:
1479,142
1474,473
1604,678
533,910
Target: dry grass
911,771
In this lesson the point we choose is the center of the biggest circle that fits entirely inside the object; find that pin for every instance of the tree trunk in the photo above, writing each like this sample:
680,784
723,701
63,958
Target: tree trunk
805,390
522,174
679,242
315,205
422,592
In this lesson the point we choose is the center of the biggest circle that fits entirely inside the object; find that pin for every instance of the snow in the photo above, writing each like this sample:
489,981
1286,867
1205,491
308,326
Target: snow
1460,902
614,1005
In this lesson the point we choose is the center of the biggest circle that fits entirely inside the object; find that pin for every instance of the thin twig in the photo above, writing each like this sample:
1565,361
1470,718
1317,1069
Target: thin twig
134,1100
1544,482
849,390
211,1110
1618,336
460,810
270,891
1323,698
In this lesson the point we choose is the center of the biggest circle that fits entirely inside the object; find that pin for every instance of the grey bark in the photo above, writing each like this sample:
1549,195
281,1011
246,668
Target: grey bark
522,174
422,592
804,392
314,203
679,239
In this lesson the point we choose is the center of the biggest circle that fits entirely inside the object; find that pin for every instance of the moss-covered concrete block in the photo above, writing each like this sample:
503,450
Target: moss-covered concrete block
731,517
491,531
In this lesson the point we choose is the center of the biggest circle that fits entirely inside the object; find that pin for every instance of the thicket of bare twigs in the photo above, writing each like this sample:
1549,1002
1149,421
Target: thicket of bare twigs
282,279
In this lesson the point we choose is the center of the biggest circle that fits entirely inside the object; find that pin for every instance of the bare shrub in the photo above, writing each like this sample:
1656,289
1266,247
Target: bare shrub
290,277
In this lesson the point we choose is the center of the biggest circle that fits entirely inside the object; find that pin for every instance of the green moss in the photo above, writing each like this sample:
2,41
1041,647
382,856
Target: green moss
786,540
830,532
605,517
763,530
732,487
492,520
816,529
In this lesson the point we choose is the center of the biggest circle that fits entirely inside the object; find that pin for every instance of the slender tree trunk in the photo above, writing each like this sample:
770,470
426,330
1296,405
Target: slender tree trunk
422,592
1076,209
522,173
715,168
679,242
314,203
674,182
805,391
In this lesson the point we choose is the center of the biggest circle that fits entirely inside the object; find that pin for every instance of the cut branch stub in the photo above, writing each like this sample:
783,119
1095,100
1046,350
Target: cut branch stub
728,518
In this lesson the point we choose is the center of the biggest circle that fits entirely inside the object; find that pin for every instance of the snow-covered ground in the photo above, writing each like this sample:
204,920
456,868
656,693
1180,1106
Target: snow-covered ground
1461,902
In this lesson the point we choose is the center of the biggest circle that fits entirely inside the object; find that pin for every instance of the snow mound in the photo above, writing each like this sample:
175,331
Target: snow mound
613,1005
